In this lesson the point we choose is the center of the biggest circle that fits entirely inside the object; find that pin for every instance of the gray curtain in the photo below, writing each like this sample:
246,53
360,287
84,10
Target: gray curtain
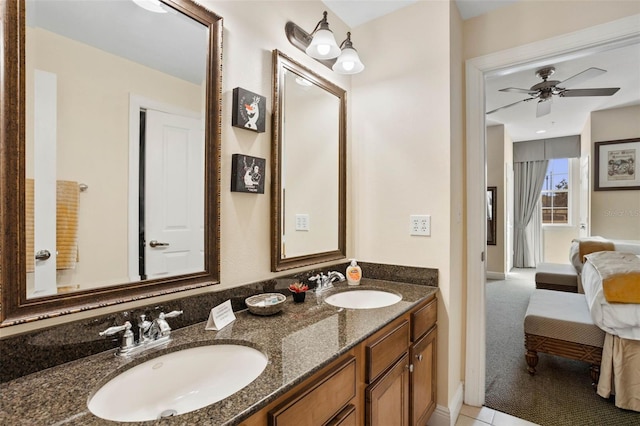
528,180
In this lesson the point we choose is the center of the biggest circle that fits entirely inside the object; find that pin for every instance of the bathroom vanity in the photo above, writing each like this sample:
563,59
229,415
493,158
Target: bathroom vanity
326,365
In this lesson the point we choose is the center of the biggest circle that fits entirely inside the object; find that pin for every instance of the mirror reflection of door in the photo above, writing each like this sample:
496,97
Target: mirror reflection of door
172,232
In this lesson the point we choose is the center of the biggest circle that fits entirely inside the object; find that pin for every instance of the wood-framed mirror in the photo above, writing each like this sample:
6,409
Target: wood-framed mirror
61,136
308,170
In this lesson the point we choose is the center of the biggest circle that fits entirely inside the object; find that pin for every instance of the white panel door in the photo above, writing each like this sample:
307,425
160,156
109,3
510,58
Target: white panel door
174,206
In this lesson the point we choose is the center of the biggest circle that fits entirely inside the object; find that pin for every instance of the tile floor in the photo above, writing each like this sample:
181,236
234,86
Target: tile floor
483,416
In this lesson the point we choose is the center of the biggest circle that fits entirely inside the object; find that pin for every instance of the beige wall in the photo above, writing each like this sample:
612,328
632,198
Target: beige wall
407,142
615,214
533,20
496,177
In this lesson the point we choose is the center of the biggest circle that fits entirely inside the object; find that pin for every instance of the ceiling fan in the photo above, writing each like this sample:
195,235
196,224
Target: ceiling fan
545,90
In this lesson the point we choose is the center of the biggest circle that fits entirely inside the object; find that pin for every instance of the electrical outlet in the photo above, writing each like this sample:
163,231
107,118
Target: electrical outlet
420,225
302,222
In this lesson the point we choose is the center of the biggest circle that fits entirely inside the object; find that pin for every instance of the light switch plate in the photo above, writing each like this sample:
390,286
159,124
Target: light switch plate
302,222
420,225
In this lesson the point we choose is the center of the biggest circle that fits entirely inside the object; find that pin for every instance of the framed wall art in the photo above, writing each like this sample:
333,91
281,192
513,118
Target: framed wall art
616,165
247,174
492,211
249,110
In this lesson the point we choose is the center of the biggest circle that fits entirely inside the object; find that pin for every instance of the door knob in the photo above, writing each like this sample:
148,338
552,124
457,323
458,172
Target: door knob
419,357
154,243
43,255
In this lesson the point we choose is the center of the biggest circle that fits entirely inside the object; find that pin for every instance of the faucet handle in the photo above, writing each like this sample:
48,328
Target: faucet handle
171,314
317,278
116,329
127,337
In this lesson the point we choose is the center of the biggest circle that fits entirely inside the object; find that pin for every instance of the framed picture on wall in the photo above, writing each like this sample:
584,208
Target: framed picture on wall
247,174
492,211
616,165
249,110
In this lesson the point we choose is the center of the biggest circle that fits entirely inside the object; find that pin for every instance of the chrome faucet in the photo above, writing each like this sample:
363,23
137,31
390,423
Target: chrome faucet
151,334
324,282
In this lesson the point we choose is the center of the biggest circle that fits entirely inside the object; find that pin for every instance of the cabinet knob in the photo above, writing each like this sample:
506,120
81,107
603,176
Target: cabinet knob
419,357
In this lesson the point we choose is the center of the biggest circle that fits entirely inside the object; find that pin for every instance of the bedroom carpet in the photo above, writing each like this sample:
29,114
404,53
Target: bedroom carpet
560,393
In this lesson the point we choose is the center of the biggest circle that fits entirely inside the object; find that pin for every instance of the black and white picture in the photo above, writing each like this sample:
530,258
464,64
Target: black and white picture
249,110
616,165
247,174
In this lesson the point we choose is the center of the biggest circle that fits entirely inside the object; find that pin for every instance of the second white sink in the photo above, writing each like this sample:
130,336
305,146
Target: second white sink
177,383
363,299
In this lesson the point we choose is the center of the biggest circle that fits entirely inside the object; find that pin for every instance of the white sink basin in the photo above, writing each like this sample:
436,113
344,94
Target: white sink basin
177,383
363,299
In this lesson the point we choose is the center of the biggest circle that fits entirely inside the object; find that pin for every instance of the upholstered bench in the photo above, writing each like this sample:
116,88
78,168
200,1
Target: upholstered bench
556,276
559,323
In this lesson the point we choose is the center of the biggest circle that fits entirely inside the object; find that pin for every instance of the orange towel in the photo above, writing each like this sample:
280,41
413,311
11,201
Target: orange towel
620,274
29,225
67,200
588,246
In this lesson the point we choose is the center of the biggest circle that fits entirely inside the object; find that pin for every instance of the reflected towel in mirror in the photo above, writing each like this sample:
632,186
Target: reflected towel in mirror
67,200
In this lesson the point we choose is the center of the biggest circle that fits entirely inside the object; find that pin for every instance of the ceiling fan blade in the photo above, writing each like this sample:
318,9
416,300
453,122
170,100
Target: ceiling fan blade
543,107
569,93
507,106
516,90
581,77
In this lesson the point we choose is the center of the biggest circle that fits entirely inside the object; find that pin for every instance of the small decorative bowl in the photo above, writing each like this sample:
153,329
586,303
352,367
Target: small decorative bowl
265,303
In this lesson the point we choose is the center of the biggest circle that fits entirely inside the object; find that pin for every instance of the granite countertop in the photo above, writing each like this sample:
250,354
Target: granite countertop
298,341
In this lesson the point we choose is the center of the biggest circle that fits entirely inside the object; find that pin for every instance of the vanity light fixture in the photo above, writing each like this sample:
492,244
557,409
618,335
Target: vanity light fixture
151,5
348,62
322,46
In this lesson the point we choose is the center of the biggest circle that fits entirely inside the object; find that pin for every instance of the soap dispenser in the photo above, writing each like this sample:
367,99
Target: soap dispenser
354,273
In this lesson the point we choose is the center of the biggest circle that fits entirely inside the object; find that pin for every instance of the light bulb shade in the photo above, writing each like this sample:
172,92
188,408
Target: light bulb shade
323,45
348,62
151,5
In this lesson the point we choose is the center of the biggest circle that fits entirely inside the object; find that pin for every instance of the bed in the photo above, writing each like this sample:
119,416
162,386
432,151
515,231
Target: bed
619,319
620,367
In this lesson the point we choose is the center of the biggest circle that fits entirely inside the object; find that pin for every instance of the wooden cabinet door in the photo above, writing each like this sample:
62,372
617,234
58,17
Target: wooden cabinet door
387,400
423,378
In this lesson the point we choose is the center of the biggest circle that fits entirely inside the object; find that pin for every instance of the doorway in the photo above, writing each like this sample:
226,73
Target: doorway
606,36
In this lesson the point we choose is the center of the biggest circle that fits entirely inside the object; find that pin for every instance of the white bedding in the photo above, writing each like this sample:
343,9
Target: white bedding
620,319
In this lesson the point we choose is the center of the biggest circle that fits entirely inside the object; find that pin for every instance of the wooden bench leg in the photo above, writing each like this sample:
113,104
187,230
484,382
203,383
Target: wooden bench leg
532,360
594,370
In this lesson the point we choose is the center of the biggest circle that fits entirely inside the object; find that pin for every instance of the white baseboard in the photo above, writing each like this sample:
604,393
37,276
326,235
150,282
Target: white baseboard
496,275
445,416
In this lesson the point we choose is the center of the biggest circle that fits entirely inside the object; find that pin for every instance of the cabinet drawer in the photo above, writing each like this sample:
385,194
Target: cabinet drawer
423,319
382,353
321,401
346,417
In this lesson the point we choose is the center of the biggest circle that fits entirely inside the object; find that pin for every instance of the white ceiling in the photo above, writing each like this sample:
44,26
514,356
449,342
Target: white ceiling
568,115
358,12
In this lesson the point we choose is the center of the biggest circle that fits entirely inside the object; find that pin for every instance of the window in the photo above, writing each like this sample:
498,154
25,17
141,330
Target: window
555,193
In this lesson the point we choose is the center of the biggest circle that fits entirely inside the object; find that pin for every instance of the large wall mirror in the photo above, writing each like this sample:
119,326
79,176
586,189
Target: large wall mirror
110,153
308,167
